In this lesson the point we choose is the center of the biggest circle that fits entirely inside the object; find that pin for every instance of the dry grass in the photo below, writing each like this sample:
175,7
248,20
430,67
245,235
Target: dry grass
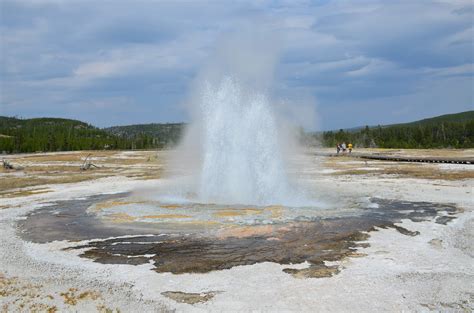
448,153
22,296
72,296
19,296
70,157
128,161
157,174
23,192
98,157
428,173
63,168
43,169
7,184
410,170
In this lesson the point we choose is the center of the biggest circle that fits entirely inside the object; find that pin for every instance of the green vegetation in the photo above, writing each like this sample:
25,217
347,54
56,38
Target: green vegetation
150,135
53,134
467,116
446,131
57,134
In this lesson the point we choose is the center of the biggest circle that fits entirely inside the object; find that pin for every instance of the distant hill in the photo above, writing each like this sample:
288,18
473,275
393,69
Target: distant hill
54,134
161,134
58,134
13,122
445,131
456,117
447,118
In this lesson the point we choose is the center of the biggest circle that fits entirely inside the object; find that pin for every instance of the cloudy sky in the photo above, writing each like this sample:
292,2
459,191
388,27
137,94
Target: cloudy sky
123,62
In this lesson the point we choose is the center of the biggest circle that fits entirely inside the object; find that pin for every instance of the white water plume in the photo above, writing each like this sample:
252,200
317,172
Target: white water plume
236,148
242,161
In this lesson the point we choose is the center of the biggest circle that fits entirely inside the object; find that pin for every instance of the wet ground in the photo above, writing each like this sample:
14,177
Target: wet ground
194,243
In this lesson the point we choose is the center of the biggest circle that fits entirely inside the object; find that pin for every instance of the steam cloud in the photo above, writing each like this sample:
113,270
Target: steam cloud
237,148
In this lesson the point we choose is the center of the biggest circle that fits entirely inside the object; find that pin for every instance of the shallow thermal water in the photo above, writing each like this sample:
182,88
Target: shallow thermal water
181,238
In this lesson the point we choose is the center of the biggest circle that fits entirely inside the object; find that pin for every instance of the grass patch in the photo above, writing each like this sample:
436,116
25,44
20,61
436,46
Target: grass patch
429,173
410,172
10,183
23,192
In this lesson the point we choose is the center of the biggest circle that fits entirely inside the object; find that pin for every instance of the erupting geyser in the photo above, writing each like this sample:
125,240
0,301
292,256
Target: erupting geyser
237,145
241,157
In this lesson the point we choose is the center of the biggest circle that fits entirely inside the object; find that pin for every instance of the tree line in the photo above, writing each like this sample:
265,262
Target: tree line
161,135
55,134
51,134
446,134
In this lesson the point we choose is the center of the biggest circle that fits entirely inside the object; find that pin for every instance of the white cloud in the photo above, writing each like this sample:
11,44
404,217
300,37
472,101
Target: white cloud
464,69
56,51
97,69
373,66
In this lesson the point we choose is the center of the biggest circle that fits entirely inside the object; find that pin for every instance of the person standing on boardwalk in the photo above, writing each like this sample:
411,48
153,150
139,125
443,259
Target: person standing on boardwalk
349,146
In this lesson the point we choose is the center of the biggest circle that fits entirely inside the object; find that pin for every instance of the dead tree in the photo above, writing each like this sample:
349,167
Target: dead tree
87,165
7,165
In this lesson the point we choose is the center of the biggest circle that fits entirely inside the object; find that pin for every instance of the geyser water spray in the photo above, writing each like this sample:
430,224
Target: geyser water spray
235,149
241,157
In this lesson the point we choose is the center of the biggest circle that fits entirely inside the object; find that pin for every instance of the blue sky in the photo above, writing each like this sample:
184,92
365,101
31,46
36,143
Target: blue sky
123,62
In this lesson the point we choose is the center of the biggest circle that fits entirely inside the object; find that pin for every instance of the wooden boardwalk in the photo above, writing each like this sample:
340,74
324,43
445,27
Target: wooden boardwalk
397,158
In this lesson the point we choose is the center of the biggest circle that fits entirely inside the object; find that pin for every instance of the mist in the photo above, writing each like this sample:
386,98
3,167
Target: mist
241,138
